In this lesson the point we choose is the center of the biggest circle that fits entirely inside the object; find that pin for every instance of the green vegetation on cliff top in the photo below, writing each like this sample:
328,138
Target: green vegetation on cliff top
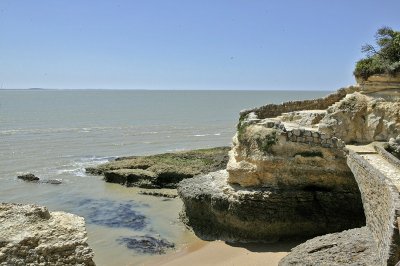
383,58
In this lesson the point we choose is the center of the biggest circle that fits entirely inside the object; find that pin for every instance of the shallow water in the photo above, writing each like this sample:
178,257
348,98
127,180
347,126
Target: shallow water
55,134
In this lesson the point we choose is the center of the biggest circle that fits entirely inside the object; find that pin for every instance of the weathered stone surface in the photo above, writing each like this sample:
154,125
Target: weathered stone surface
218,210
377,180
379,82
162,170
351,247
394,146
28,177
303,118
360,118
267,157
30,235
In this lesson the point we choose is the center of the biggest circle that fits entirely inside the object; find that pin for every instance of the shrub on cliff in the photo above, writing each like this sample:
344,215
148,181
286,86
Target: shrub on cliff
383,58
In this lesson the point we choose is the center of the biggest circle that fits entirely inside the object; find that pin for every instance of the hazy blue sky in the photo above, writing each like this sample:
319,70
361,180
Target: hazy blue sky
187,44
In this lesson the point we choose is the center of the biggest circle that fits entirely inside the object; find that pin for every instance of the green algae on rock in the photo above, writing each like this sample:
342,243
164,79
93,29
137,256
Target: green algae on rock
162,170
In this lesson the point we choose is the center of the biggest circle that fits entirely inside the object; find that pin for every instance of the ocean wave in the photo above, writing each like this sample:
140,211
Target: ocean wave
132,130
77,167
205,135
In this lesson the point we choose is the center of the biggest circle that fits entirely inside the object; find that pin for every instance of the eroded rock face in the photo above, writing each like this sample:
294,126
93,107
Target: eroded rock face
361,118
216,209
269,153
31,235
351,247
379,82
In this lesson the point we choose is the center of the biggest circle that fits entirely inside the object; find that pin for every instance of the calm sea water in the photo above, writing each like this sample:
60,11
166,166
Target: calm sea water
55,134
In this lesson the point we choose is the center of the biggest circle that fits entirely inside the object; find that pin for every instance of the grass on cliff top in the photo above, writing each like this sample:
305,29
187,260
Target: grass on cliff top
189,163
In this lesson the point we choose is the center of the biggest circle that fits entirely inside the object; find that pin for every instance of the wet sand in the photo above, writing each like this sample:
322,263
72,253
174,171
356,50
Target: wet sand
222,253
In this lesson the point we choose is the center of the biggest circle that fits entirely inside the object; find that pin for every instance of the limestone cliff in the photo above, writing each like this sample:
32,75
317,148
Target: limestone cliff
288,175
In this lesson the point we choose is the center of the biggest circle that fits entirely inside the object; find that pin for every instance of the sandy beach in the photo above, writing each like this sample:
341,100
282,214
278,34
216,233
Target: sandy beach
224,254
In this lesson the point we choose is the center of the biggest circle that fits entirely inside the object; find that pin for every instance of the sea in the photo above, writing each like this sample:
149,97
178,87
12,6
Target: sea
55,134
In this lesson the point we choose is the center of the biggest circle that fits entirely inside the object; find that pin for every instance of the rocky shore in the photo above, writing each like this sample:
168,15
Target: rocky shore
162,170
309,168
31,235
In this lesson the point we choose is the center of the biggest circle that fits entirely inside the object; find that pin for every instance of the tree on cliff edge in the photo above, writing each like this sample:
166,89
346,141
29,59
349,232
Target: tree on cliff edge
383,58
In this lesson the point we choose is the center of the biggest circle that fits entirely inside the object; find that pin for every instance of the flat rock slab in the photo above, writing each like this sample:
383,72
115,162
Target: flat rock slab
350,247
362,149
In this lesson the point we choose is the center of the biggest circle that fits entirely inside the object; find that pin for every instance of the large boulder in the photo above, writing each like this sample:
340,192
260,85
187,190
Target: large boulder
31,235
351,247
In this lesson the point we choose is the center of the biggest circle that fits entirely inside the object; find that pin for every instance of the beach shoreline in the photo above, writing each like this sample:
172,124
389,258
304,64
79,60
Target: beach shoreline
222,253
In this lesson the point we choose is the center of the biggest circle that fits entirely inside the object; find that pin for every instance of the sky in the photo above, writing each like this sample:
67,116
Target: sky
187,44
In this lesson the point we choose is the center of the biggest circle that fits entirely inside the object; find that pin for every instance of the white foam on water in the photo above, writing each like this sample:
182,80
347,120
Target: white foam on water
77,167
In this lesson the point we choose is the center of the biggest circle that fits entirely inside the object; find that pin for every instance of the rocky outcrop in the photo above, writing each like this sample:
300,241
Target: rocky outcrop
31,235
132,177
393,146
270,153
28,177
290,174
351,247
216,209
361,118
379,82
378,176
162,170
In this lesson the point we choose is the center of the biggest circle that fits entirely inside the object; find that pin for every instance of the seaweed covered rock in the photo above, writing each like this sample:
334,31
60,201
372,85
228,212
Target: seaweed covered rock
162,170
28,177
31,235
131,177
